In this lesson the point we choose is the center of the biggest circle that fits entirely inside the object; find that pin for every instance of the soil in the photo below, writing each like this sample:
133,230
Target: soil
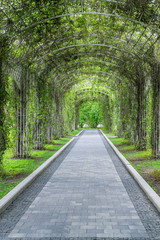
51,150
38,159
54,143
34,158
153,180
15,178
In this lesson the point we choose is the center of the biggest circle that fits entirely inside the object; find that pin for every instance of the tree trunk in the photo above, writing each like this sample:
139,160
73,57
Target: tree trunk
156,111
107,112
123,113
3,98
141,115
132,133
58,122
49,130
21,104
76,116
40,127
2,112
58,117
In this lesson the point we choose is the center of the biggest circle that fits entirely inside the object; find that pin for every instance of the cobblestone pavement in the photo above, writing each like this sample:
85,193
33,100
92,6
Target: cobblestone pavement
86,193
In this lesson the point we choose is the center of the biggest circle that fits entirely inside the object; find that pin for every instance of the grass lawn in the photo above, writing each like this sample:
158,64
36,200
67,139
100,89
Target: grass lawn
142,161
15,170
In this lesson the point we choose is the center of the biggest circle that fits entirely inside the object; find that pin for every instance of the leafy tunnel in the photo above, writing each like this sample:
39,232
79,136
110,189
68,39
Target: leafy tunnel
56,54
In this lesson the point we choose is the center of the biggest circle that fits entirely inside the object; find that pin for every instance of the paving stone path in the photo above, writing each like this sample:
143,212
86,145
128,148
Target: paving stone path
90,195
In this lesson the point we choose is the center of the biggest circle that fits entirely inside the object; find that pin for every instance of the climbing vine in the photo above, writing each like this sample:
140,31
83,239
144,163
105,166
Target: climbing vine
58,55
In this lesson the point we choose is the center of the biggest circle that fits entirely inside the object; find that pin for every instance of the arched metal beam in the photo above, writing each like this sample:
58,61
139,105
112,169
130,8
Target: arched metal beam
84,90
61,66
86,98
88,44
83,72
99,79
67,86
70,74
77,37
79,64
88,13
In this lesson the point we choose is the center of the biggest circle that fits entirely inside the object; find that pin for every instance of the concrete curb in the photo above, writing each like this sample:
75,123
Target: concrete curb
151,194
15,192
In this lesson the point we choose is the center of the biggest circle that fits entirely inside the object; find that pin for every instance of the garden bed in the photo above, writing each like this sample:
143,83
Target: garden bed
15,170
143,161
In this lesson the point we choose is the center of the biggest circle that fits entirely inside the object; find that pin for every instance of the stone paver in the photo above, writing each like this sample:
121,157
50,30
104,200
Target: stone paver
85,197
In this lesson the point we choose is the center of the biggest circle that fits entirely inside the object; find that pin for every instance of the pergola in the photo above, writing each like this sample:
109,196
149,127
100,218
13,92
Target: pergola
62,43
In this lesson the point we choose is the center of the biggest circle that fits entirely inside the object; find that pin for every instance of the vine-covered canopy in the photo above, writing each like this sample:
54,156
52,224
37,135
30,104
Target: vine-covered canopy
56,54
64,39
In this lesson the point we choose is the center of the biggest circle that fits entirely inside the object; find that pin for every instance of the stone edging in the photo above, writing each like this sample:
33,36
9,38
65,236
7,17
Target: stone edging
151,194
15,192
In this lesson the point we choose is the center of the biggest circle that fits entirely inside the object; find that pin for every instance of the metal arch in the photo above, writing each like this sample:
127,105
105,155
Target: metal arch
83,53
72,74
79,55
87,13
84,90
80,101
60,66
76,81
82,63
66,47
81,97
100,13
100,79
97,13
69,85
89,35
75,37
92,44
85,72
65,40
86,98
86,63
79,72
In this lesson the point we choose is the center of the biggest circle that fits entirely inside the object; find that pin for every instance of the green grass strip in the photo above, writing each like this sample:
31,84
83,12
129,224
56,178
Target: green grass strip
15,170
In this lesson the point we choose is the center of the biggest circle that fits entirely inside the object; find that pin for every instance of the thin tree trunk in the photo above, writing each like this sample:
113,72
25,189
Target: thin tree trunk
42,116
2,112
156,111
106,112
21,104
58,118
141,115
3,98
123,113
76,116
61,121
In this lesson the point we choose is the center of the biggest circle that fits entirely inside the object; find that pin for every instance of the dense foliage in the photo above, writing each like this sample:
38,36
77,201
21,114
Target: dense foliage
90,114
57,55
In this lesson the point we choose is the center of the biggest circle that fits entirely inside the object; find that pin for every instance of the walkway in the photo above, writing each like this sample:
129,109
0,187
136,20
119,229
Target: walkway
86,197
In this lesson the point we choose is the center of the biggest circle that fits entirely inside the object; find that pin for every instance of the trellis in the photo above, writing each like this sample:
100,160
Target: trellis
67,39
